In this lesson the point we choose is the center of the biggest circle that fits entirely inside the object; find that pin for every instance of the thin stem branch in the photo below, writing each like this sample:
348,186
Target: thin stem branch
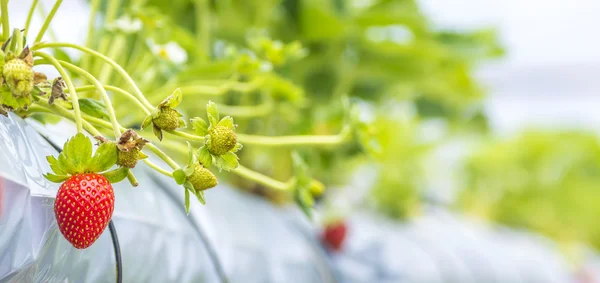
157,168
118,68
49,18
190,137
29,17
163,156
103,94
5,22
94,6
203,28
117,90
287,141
260,178
67,79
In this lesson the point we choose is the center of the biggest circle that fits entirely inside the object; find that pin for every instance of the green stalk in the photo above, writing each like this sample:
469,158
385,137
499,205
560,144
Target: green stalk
29,17
117,90
5,24
203,29
67,79
103,94
118,68
260,178
49,18
94,6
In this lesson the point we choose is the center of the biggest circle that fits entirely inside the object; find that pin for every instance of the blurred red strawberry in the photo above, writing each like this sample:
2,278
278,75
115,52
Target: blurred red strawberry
334,234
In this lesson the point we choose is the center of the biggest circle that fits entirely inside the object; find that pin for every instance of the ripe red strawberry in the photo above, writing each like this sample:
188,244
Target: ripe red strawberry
83,207
334,234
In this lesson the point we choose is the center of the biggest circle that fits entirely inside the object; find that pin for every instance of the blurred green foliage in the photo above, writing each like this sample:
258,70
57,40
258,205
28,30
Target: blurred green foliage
297,60
544,181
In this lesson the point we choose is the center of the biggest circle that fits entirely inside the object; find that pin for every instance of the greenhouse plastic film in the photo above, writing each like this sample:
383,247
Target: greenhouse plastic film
158,242
441,247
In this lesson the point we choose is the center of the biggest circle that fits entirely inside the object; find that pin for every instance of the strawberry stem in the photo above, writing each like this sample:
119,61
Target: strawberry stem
138,93
29,17
5,24
49,18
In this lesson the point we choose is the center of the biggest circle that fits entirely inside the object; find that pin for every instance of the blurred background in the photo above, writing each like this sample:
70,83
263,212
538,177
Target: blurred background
477,156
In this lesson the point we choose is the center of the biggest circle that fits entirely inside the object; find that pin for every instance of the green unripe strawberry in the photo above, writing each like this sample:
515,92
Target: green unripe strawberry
222,140
202,179
167,119
128,158
18,75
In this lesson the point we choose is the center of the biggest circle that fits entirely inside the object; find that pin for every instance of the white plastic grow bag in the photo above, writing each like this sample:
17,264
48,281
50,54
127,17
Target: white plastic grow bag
253,240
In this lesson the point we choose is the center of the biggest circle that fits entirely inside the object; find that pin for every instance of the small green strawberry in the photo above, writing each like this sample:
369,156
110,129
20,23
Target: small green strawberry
85,200
202,179
222,138
195,178
130,146
220,143
165,117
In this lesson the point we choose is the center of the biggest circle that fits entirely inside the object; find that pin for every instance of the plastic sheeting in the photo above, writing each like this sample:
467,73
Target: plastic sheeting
441,247
159,243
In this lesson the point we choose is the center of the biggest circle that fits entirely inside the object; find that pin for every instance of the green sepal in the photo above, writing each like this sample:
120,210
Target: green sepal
200,196
147,121
55,166
212,112
237,147
66,164
188,186
142,155
304,200
116,175
9,100
179,176
182,123
105,157
200,126
157,132
172,100
79,150
227,121
204,156
93,108
55,178
187,201
227,161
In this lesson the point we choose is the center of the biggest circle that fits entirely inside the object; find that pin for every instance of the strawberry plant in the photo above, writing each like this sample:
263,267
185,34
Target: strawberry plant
160,84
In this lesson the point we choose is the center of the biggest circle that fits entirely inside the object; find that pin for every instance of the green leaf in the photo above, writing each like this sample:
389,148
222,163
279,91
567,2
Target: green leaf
54,165
157,132
212,113
147,121
187,201
192,159
93,108
65,163
227,161
104,158
200,197
79,150
56,178
200,126
182,123
116,175
179,176
173,100
142,155
227,121
204,156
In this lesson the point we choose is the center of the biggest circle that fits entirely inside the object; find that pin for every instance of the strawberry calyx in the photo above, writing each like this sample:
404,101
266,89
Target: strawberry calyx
76,158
